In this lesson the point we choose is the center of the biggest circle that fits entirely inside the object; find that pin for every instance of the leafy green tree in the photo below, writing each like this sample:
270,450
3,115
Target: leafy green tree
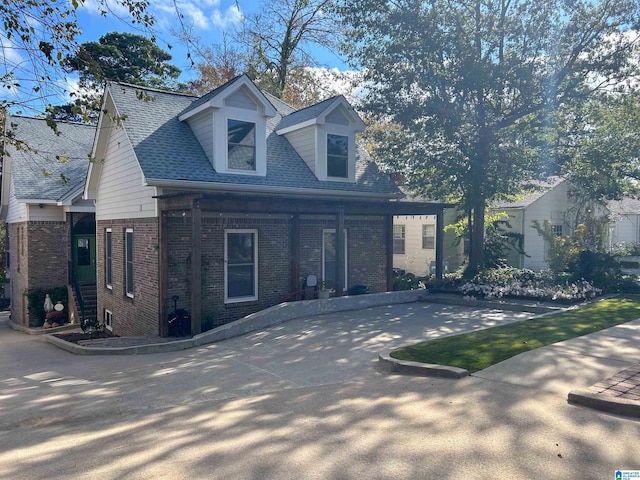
116,56
471,88
600,146
37,37
123,57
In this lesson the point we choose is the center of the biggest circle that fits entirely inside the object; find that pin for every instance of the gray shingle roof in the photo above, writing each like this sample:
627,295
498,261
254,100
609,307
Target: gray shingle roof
167,149
54,165
626,206
540,188
305,114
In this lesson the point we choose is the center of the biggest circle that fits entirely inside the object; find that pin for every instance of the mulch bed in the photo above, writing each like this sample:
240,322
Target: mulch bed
77,337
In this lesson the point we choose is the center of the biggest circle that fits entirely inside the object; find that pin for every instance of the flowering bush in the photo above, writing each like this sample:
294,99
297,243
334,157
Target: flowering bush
514,282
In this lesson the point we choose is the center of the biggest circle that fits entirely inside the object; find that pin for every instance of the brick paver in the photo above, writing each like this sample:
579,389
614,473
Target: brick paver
624,384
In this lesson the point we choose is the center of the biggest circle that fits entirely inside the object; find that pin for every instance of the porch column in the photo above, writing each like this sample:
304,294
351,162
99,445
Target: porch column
439,243
388,237
295,253
163,260
196,267
340,257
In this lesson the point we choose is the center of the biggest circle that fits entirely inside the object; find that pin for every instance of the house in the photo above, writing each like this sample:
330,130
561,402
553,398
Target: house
549,200
624,230
223,205
50,228
414,244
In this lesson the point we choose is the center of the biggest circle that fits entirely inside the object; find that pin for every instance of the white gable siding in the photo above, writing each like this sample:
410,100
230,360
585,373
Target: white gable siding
120,190
48,213
416,259
551,206
240,99
16,211
625,231
304,142
337,117
202,127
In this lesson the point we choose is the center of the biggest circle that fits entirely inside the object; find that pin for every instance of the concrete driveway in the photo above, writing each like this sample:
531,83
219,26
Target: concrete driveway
300,400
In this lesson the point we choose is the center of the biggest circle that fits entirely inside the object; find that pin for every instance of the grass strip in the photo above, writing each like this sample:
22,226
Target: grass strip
480,349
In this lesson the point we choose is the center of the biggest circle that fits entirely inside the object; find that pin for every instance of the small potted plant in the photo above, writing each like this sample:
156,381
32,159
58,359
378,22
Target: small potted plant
326,287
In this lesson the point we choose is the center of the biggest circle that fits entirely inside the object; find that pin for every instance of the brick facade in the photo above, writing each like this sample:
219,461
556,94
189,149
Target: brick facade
365,254
138,315
39,259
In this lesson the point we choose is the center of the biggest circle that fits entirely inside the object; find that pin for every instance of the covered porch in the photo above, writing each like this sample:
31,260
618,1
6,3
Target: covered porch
291,240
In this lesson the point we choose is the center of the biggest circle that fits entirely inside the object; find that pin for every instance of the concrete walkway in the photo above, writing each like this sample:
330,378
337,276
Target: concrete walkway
606,361
305,400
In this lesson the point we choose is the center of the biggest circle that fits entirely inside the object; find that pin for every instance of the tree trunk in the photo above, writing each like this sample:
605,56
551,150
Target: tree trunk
476,252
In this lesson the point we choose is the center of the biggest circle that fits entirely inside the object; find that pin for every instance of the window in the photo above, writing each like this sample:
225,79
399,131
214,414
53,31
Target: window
557,229
83,252
108,320
337,156
329,257
241,145
429,237
398,239
108,266
128,255
241,266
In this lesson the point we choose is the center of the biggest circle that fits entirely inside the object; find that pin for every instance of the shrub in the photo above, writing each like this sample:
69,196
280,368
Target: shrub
407,281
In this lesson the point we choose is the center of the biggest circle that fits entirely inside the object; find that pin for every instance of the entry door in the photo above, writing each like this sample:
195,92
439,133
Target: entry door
84,257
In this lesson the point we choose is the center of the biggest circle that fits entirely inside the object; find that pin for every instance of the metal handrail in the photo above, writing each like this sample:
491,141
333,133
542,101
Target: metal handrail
76,289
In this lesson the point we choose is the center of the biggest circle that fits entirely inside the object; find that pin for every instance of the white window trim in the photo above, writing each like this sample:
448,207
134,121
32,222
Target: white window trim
126,254
404,239
255,146
255,267
346,258
428,236
109,314
349,148
321,152
108,285
221,138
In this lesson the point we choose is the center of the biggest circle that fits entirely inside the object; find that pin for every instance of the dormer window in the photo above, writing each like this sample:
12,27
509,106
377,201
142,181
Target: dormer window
241,145
337,156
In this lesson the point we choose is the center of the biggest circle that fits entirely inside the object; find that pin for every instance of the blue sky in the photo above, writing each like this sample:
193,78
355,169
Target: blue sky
208,19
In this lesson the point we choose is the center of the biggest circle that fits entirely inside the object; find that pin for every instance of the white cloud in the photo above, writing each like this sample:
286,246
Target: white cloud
231,16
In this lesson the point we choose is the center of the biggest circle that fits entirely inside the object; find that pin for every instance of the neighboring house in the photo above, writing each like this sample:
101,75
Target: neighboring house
228,202
624,230
550,201
50,229
414,244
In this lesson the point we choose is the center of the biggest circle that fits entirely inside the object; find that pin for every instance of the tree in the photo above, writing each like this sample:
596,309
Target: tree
37,37
119,57
276,39
123,57
600,146
217,65
471,88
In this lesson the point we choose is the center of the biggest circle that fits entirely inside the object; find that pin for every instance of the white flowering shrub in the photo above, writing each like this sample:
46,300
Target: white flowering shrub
514,282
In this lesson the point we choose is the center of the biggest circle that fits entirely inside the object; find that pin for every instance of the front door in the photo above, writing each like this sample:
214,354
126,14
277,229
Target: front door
84,257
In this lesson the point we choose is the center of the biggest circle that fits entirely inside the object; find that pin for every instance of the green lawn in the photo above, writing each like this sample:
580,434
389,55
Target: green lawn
477,350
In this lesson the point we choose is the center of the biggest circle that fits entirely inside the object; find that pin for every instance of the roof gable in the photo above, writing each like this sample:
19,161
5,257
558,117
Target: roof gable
169,153
334,108
224,96
54,166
